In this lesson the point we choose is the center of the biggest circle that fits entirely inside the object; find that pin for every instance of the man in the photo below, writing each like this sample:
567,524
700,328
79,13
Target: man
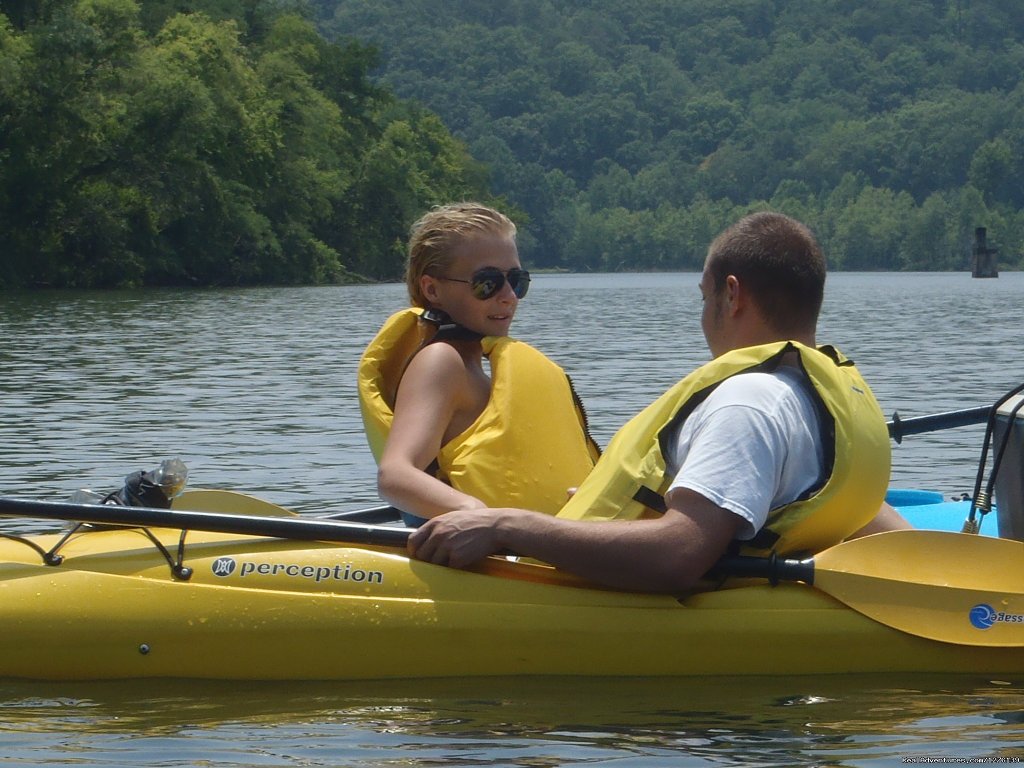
773,446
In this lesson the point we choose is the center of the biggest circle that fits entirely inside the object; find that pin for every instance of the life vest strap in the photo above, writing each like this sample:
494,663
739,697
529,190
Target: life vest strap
447,329
650,499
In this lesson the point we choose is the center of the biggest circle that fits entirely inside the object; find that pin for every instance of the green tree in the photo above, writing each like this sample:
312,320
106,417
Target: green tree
992,171
869,232
204,155
930,243
15,99
414,163
726,100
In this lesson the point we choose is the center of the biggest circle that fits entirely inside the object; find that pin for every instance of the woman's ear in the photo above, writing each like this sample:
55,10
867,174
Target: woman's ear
428,287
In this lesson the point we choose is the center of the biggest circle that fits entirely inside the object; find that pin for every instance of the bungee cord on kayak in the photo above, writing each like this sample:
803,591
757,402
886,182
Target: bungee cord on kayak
1011,504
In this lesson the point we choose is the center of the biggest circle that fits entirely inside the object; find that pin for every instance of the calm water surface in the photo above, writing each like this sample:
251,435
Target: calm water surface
254,390
503,722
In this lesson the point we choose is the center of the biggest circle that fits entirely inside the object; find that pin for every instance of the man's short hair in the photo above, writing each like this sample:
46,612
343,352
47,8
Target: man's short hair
781,263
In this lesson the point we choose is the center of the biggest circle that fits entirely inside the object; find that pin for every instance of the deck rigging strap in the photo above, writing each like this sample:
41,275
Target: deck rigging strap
982,499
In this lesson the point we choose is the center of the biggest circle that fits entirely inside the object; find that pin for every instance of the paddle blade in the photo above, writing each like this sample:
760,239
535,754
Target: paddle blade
951,587
228,503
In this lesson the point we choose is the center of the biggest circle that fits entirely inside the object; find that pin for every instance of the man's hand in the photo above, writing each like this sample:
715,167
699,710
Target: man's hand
458,539
665,554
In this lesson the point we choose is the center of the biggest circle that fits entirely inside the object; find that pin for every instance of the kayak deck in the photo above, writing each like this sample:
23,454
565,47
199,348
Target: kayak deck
259,608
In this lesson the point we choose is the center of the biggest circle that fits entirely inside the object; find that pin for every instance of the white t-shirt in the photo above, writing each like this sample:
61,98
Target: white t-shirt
752,446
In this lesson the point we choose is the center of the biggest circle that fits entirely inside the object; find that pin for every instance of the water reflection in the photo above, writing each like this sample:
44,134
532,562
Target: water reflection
800,721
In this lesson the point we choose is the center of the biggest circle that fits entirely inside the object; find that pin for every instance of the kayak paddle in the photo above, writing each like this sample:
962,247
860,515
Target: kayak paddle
950,587
916,425
281,527
235,503
231,502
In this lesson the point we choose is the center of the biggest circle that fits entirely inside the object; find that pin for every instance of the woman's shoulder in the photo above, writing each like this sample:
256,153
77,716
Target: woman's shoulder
437,365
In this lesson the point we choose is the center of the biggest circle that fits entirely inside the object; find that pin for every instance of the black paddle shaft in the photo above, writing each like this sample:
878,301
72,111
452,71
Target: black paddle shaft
773,568
898,427
299,528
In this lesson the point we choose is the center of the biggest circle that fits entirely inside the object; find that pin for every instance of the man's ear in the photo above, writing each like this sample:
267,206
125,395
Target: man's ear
734,295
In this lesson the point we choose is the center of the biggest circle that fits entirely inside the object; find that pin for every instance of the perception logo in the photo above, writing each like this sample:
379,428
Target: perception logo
223,566
985,617
226,566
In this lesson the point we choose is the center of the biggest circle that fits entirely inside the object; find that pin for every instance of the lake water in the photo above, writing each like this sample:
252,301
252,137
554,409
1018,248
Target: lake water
254,390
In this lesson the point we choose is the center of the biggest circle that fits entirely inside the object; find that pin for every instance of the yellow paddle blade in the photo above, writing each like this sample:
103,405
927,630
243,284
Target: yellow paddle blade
953,587
228,503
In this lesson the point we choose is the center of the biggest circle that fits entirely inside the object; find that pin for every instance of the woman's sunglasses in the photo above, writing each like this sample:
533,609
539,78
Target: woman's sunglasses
488,281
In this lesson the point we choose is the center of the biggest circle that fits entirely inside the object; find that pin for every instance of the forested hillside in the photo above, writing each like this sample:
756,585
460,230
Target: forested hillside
631,131
214,142
224,142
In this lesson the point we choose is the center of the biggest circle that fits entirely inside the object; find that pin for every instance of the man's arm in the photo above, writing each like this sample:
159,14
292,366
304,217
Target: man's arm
666,554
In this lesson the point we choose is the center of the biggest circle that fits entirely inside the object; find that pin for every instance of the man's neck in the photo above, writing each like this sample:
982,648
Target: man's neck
763,335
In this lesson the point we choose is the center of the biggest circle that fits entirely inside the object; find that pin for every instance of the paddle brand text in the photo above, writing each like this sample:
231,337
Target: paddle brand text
226,566
984,616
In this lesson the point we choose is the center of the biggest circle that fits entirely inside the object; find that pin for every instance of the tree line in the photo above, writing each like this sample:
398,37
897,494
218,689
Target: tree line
230,142
631,131
226,143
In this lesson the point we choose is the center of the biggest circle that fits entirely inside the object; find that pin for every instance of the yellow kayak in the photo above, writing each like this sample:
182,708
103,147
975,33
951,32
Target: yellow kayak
150,601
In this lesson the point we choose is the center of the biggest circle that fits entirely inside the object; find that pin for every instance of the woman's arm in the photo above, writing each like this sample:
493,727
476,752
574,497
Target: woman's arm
435,390
887,519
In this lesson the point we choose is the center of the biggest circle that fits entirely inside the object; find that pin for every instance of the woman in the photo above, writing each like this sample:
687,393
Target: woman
446,432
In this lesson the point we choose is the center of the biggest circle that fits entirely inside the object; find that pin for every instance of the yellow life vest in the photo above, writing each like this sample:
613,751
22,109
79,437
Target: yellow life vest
528,446
630,480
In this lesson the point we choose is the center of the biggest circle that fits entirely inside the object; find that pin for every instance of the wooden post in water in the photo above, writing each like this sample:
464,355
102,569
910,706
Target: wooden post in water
983,258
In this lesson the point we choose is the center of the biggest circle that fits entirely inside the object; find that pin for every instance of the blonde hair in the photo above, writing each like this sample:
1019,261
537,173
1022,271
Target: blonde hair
433,238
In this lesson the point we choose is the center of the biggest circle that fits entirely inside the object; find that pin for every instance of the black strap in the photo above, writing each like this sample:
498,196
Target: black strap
650,499
831,352
765,539
448,329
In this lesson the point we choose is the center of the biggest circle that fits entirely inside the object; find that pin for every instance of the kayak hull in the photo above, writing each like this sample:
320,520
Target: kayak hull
257,608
